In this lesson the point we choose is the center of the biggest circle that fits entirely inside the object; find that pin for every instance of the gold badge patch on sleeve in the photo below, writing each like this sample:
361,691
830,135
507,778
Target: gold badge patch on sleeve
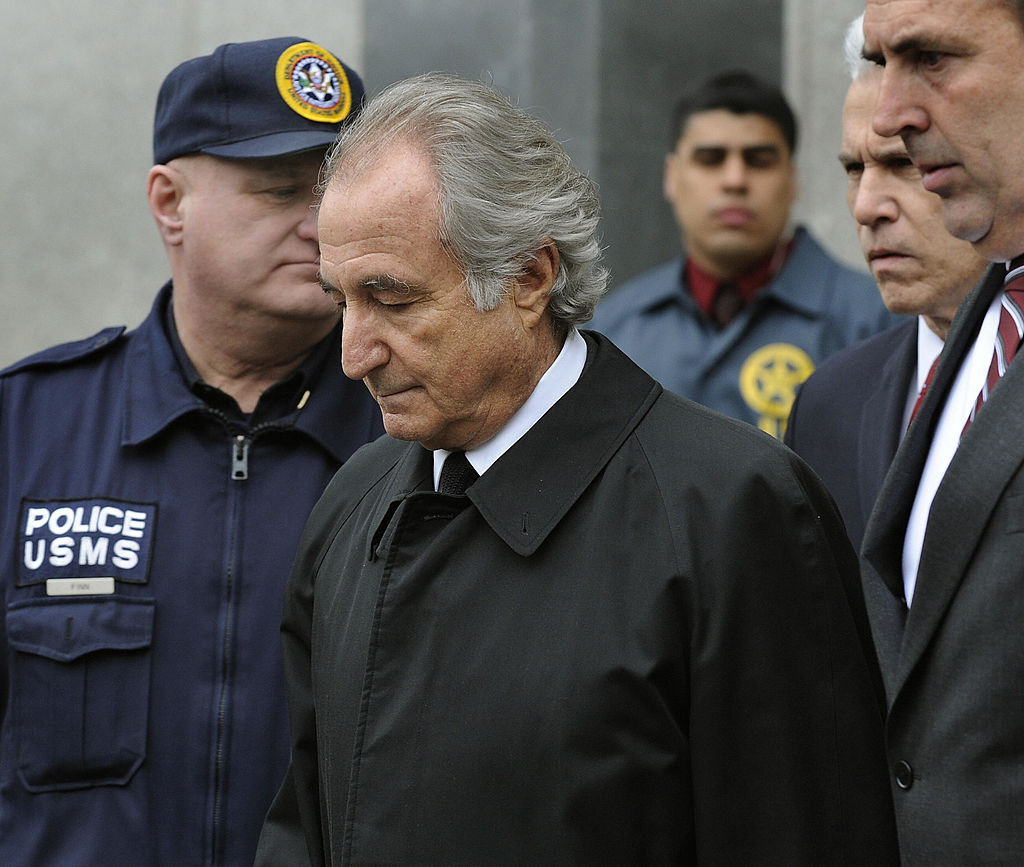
768,383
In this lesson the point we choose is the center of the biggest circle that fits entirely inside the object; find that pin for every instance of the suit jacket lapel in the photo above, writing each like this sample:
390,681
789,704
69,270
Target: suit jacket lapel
991,453
882,549
882,421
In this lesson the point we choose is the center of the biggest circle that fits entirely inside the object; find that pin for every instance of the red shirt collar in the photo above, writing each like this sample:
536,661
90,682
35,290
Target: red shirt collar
703,287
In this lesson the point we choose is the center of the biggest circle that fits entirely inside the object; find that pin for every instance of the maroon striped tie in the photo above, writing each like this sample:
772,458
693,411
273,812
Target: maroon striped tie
1008,335
924,388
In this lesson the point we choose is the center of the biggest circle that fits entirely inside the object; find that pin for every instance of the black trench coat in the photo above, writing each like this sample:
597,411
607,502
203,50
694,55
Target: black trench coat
638,640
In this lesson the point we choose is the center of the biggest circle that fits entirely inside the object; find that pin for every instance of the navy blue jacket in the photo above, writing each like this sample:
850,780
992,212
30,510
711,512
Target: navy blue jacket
847,419
750,370
143,716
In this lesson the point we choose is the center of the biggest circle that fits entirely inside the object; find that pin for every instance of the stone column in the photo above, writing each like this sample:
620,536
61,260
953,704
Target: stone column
604,73
816,80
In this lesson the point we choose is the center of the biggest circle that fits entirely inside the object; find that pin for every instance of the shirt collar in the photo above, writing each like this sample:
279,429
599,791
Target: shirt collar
338,413
929,345
704,286
277,401
563,374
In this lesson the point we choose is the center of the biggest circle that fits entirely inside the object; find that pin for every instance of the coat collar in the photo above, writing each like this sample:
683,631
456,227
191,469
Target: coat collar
790,286
530,488
339,413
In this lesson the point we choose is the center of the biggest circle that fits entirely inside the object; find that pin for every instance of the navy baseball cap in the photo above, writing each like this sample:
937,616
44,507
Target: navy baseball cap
255,99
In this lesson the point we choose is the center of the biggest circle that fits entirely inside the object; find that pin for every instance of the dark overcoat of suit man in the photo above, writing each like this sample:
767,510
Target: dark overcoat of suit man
953,664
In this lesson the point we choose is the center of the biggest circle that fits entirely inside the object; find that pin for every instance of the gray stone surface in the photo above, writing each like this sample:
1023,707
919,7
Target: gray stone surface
78,249
605,73
816,80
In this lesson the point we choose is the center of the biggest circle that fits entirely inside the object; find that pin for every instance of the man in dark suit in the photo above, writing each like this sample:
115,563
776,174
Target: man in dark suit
850,416
943,552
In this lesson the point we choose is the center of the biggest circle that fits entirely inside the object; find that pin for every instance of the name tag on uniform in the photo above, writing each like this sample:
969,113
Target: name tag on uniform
79,586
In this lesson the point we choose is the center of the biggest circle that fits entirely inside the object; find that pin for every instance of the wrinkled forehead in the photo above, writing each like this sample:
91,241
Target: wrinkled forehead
858,109
898,26
858,112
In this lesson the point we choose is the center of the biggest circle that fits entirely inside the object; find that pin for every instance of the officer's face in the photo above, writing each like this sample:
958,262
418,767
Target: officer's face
731,182
443,373
919,267
249,237
953,89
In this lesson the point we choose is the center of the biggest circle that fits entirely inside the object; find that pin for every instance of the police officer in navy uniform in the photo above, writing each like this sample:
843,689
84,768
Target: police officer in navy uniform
155,483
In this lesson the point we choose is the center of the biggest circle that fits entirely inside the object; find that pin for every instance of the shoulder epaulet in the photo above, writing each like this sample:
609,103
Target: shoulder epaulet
64,353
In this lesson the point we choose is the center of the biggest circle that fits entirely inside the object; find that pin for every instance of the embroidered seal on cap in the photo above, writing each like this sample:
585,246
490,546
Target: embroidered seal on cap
313,83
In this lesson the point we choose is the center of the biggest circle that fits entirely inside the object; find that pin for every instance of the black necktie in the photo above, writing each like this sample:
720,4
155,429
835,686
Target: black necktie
457,474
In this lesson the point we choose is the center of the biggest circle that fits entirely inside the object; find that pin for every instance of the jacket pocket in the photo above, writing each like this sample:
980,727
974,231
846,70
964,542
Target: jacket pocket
79,689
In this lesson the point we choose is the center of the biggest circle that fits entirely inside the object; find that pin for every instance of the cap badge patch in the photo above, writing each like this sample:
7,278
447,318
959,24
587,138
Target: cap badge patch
313,83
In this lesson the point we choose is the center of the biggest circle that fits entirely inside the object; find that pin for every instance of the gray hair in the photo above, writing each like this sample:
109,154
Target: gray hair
506,186
853,50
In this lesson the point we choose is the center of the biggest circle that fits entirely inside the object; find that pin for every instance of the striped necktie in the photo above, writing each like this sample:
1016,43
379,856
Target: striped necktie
924,388
1008,335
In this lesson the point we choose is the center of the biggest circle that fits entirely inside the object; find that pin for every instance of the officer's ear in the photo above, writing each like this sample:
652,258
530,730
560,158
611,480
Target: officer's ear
165,188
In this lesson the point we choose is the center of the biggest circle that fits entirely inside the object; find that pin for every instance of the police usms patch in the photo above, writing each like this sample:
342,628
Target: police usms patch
313,83
84,539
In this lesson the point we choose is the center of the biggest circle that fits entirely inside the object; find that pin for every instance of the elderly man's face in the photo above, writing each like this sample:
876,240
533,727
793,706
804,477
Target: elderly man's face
953,88
919,267
731,182
443,373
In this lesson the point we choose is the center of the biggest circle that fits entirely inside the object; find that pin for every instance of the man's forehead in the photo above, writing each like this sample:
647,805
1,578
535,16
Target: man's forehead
862,144
899,26
894,25
727,127
725,121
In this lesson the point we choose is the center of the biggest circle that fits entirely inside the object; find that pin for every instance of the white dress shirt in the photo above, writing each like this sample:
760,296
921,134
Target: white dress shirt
563,374
969,380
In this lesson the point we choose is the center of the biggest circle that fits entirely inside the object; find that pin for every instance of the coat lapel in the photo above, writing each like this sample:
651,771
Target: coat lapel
882,550
882,419
990,454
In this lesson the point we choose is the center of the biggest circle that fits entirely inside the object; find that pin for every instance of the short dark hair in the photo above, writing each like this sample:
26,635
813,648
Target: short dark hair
740,92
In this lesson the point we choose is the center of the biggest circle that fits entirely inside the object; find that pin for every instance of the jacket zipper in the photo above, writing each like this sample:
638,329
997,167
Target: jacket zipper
240,442
240,458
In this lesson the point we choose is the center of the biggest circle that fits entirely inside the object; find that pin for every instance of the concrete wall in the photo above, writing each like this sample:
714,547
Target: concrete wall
78,249
605,73
816,80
